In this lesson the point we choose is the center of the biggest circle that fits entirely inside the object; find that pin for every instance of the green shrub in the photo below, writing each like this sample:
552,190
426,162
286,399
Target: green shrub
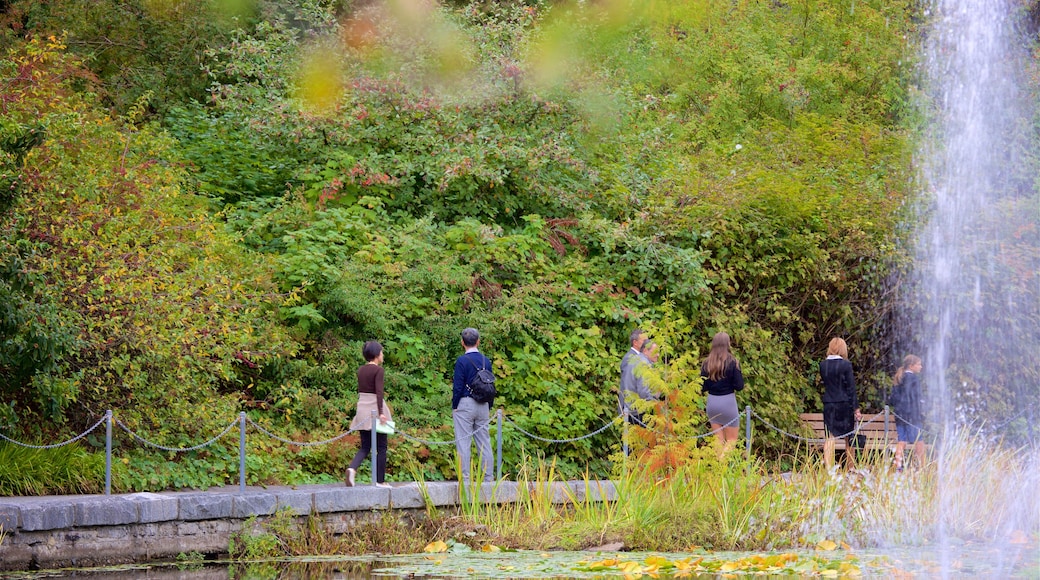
69,469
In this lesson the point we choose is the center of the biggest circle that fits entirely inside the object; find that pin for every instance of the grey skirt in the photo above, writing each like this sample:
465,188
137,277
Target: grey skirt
722,410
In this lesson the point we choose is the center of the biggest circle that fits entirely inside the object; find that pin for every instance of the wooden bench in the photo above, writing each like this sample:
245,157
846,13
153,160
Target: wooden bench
880,436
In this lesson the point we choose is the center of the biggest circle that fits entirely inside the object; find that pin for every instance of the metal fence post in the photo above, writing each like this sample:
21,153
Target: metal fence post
886,428
375,421
242,452
108,452
498,454
747,430
624,431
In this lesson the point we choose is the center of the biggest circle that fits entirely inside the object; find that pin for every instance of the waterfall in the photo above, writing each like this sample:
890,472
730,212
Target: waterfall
965,302
973,303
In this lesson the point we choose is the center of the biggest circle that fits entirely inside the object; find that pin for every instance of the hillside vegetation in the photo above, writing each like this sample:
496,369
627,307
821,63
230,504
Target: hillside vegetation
212,219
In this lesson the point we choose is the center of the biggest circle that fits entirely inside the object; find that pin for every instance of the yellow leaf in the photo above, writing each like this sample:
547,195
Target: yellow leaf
657,560
630,567
437,546
826,545
849,569
490,548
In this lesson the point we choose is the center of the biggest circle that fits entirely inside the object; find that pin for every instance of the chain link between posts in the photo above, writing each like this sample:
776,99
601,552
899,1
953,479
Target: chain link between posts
694,437
570,440
465,436
55,445
297,443
918,427
813,440
176,449
460,439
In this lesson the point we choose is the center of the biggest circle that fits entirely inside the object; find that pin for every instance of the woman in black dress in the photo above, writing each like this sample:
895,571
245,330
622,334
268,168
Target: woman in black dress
840,407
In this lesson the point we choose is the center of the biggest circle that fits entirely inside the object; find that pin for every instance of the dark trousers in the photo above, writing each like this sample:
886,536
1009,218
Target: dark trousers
365,447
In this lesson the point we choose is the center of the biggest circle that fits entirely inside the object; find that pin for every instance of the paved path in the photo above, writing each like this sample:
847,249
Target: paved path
50,531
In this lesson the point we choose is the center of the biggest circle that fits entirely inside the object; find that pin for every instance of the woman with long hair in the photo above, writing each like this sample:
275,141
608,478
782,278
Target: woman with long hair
370,398
840,407
905,401
722,379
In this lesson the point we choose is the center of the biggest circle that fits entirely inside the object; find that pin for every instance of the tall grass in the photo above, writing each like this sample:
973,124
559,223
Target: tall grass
969,491
62,470
722,501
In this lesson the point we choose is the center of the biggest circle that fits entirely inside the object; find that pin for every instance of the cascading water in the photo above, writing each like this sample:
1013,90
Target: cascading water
973,309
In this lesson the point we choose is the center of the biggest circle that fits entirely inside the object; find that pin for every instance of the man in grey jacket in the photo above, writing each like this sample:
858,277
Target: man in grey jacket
631,383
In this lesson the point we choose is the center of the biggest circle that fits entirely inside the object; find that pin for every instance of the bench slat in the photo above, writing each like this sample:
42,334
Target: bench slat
877,436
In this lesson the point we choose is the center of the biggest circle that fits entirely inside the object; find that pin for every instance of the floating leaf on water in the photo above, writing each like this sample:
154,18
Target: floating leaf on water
659,561
826,545
434,547
849,569
1019,537
490,548
630,567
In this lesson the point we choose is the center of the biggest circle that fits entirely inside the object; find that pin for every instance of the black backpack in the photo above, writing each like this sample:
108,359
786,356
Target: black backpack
482,387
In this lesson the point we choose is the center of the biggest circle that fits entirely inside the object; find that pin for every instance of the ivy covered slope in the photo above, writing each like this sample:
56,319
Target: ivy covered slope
551,175
151,308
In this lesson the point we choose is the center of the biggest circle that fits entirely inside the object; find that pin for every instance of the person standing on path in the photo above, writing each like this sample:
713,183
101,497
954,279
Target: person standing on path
906,404
840,406
472,420
370,398
722,379
632,385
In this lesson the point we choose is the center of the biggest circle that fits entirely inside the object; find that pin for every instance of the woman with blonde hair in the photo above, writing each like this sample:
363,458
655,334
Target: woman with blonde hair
722,379
905,401
840,407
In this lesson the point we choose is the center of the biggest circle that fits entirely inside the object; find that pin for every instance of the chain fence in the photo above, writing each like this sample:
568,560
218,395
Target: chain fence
148,443
462,434
55,445
261,429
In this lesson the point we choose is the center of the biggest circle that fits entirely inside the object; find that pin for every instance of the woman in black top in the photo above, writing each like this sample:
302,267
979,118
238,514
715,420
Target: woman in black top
840,407
370,398
722,378
905,401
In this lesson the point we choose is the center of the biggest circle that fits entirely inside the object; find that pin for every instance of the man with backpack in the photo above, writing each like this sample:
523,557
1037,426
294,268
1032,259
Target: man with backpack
473,393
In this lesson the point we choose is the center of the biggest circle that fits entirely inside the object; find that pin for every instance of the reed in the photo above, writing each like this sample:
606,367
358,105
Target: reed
719,501
61,470
970,490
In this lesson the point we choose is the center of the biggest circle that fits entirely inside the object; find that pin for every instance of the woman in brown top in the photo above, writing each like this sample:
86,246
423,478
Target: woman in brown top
370,398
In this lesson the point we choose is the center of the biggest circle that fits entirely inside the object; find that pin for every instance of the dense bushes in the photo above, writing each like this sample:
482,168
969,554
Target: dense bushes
692,167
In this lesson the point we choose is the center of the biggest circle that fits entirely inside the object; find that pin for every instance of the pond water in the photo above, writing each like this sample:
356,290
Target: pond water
972,561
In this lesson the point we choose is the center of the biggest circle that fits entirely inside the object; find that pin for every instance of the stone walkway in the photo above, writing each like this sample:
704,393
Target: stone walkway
50,531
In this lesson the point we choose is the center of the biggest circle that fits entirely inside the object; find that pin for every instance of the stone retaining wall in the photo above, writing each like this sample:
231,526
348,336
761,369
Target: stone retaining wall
62,531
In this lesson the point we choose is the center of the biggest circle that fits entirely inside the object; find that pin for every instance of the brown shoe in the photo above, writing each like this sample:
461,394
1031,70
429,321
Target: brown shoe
350,476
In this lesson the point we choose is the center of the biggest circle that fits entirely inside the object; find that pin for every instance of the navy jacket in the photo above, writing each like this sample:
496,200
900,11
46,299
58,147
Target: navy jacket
839,385
465,371
906,400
